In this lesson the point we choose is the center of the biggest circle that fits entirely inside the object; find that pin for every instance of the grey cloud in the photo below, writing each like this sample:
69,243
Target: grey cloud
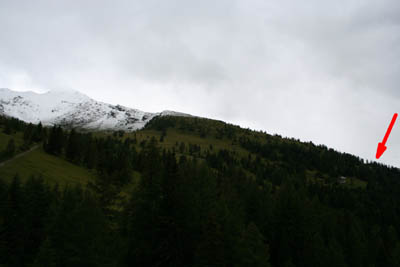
316,70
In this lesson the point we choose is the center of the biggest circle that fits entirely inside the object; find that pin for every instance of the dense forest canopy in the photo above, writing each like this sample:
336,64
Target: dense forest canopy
196,192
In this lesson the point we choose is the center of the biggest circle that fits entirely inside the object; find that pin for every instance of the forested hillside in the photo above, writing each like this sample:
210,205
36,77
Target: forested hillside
187,191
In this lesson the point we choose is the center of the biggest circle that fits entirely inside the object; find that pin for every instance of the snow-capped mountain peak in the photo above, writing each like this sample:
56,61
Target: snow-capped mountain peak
73,109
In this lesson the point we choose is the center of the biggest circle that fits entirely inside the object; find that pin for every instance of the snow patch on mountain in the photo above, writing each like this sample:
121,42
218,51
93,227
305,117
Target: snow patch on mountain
73,109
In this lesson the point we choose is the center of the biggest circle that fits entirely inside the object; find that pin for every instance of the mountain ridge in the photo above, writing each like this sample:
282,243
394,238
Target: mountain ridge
71,108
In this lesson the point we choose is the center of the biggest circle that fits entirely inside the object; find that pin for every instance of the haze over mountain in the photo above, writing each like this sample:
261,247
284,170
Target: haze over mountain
74,109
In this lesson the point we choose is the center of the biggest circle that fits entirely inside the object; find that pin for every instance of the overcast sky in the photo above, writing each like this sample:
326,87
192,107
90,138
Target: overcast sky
325,71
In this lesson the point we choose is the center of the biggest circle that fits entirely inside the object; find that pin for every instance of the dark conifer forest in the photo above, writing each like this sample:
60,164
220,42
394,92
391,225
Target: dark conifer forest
256,200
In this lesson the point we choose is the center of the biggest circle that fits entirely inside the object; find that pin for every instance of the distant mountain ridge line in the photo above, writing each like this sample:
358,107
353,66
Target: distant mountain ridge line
74,109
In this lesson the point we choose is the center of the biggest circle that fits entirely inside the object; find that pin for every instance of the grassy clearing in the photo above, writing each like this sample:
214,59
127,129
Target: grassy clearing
351,182
53,169
355,183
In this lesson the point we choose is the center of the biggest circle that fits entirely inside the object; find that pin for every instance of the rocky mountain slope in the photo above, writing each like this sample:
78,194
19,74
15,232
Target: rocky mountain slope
73,109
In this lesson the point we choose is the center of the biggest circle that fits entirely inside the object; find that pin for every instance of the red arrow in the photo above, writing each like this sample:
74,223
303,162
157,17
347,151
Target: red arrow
381,146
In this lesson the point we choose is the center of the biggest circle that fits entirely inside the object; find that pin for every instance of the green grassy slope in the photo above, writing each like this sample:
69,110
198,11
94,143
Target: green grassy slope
216,135
53,169
173,136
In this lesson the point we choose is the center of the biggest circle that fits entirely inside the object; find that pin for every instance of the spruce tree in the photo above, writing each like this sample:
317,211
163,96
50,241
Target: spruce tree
7,127
36,207
251,248
28,133
10,149
46,256
14,224
72,150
